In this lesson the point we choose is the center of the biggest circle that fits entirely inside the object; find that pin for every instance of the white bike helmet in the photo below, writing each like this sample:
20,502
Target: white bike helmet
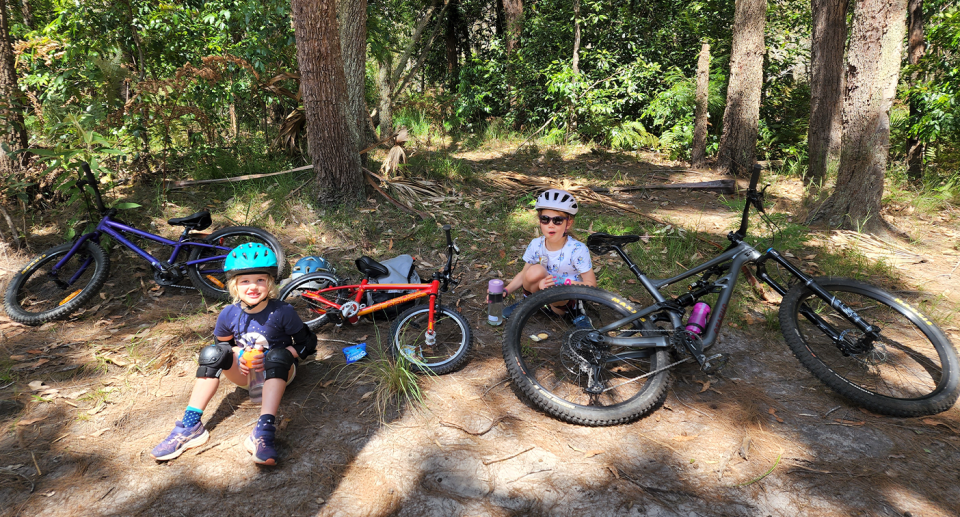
559,200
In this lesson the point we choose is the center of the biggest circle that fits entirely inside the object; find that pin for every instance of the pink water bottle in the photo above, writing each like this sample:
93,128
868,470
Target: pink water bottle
698,318
495,302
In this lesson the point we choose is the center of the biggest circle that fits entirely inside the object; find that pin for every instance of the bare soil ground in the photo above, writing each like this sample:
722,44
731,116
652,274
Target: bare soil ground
763,438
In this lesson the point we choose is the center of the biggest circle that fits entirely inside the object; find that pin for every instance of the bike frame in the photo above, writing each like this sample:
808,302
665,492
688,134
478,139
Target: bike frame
732,260
419,291
113,228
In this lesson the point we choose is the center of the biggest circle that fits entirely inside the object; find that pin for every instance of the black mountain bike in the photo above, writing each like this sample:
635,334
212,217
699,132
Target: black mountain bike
865,343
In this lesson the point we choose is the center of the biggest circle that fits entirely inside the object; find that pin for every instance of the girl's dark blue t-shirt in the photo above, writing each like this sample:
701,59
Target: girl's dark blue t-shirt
271,327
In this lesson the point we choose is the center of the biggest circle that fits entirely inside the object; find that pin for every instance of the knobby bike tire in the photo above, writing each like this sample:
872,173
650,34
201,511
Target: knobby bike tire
912,370
546,356
453,339
209,277
307,309
34,297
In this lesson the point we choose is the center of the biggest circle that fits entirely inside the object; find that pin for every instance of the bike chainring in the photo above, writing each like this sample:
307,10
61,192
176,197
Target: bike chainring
168,277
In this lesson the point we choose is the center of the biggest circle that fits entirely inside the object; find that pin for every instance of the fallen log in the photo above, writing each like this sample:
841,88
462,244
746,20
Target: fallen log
721,186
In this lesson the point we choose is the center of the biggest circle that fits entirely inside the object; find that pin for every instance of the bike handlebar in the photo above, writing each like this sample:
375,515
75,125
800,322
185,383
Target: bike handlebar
754,178
92,181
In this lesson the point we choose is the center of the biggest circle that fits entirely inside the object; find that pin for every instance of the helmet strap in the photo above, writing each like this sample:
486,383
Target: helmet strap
245,307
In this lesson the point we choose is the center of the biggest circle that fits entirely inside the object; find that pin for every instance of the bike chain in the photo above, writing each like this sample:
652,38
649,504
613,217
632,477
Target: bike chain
676,342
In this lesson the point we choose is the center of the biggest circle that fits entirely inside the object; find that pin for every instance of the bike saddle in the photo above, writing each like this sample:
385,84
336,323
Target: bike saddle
371,268
601,243
197,221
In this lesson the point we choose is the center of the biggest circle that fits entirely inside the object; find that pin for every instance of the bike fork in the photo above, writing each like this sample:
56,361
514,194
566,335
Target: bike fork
872,331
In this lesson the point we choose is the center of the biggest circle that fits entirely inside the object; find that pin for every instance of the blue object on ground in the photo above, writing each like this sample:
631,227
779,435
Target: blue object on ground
355,353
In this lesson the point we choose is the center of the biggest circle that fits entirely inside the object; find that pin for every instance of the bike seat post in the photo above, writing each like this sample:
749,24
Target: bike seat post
630,264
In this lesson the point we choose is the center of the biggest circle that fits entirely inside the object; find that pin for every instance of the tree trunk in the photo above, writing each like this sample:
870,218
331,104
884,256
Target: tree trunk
498,28
14,137
452,43
738,144
513,14
352,16
826,87
873,67
575,65
385,109
332,149
27,13
698,155
915,46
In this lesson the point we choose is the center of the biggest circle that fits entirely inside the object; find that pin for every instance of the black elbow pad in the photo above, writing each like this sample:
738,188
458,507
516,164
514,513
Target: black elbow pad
305,342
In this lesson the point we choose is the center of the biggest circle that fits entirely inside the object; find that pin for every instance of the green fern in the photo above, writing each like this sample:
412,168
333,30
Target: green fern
631,135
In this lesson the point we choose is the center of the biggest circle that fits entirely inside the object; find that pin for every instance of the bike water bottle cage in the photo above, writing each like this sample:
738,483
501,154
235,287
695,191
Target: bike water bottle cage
277,363
214,359
250,258
198,221
310,264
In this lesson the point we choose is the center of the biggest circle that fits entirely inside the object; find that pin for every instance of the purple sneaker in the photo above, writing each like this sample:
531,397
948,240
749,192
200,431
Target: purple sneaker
260,445
180,439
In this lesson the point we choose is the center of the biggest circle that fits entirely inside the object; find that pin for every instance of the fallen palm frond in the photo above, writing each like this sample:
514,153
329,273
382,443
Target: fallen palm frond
874,247
520,184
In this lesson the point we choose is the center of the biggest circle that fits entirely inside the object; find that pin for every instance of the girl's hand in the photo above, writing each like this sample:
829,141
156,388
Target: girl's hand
257,362
547,282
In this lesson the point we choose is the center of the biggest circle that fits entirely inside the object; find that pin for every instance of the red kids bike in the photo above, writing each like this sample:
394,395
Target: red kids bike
433,338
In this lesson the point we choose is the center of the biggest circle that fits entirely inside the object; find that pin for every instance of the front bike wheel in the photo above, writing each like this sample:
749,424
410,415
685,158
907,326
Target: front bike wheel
208,276
565,374
445,352
310,311
36,295
911,370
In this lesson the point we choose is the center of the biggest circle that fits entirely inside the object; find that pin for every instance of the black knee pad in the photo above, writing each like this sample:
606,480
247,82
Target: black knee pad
277,363
214,359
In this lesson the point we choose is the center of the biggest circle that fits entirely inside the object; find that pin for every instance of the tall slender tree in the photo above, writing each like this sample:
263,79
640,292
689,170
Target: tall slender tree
741,118
698,153
13,132
826,86
915,51
352,19
513,18
873,67
325,102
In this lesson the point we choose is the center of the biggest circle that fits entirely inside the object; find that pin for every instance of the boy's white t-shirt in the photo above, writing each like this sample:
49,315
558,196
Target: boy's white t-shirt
567,263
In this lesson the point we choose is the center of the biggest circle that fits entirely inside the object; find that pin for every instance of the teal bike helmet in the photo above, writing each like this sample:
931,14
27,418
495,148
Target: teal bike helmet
250,258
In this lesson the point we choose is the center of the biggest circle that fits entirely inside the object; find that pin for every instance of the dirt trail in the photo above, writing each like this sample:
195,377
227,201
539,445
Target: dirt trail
764,438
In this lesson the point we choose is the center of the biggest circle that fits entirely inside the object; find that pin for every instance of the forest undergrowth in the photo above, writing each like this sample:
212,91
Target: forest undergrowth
82,400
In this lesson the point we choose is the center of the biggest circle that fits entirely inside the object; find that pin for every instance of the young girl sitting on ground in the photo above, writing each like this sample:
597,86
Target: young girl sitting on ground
556,258
255,318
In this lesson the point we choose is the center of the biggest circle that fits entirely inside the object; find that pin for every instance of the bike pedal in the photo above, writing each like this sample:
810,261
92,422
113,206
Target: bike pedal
715,363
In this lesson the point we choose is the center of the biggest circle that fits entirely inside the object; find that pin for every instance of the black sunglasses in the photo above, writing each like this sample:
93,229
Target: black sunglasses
557,221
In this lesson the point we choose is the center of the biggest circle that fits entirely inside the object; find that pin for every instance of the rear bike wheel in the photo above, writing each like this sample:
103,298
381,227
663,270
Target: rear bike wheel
208,277
36,296
450,345
911,370
310,311
563,373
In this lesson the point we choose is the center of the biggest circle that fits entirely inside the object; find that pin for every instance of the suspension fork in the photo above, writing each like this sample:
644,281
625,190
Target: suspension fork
872,331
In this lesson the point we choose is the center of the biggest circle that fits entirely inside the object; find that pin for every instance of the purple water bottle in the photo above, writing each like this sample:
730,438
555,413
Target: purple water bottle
698,318
495,303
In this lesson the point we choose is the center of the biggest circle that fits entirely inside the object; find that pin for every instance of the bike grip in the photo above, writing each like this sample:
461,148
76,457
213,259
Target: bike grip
755,177
446,230
86,170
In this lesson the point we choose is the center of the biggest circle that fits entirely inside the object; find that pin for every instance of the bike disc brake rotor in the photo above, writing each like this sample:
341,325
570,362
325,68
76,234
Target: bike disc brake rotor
853,343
